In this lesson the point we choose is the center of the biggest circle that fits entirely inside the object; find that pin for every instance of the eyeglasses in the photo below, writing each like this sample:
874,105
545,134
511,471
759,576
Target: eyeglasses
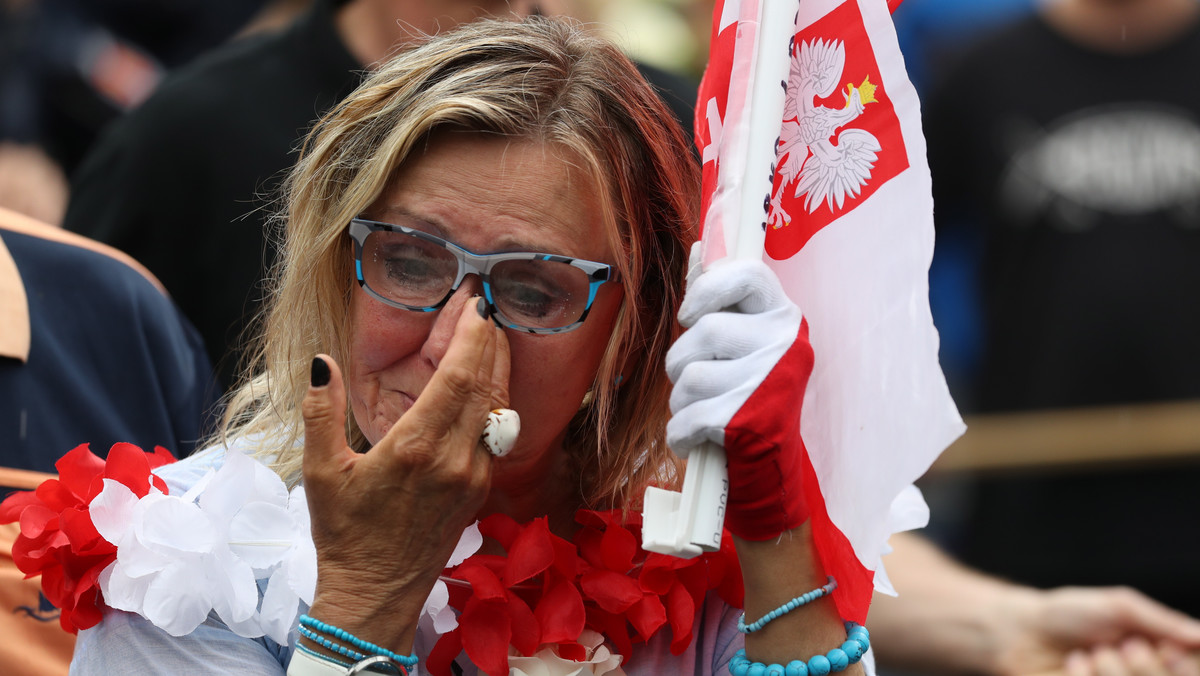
533,292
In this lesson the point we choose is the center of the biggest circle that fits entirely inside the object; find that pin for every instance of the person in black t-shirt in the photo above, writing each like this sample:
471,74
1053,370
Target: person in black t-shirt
181,182
1067,145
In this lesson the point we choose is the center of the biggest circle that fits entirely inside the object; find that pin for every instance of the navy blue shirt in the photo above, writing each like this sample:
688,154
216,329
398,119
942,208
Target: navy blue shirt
111,359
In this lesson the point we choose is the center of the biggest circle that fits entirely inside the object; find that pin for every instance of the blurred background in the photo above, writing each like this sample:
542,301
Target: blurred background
69,68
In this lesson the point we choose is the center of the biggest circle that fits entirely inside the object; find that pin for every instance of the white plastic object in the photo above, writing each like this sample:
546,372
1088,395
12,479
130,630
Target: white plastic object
689,523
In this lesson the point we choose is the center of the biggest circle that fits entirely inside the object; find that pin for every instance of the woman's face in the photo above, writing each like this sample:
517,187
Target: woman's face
487,194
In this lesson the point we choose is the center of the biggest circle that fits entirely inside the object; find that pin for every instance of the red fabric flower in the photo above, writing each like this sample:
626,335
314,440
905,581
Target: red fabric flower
603,581
58,540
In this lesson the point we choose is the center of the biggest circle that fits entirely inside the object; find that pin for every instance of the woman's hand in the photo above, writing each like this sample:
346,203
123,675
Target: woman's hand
385,522
740,371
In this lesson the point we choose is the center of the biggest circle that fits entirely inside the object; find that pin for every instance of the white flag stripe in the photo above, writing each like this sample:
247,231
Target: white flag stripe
877,411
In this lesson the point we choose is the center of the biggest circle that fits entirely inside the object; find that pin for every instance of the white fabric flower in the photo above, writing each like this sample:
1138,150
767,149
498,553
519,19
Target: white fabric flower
547,662
181,557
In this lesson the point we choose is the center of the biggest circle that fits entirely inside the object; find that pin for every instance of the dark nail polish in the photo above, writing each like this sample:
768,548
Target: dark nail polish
320,373
482,307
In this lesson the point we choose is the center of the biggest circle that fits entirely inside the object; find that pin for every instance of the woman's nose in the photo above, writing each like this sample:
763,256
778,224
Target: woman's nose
446,319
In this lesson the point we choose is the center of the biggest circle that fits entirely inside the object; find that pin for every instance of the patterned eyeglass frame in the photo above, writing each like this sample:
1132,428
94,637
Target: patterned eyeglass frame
481,265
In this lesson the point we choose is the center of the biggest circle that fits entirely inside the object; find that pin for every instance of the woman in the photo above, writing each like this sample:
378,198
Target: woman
405,271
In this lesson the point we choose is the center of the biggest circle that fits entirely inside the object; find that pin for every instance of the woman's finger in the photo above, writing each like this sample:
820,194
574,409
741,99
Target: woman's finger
324,411
454,404
501,368
1178,661
1077,664
1141,659
487,364
1147,617
723,337
748,286
1107,661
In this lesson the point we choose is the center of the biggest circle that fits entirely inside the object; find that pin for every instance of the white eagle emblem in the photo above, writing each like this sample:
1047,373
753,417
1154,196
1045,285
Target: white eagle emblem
807,157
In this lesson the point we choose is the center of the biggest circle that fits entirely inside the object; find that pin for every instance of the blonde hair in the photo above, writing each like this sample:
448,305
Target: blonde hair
540,79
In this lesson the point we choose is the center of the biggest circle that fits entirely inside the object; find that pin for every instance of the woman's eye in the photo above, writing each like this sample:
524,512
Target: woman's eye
409,269
414,264
534,299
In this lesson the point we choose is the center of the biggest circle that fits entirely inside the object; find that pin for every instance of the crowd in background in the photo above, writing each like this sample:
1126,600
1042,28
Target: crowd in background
1054,284
68,68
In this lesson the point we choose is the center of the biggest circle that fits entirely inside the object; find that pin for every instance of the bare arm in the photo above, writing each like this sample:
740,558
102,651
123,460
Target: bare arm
952,619
774,572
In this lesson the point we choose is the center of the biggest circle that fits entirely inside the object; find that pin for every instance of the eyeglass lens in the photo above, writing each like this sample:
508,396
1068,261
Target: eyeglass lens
531,293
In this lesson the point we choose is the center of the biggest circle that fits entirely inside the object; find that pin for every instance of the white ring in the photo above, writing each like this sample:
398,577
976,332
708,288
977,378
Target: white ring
500,431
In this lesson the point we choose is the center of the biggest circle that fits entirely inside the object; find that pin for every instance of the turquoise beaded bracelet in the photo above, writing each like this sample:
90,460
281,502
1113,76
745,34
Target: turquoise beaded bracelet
330,645
858,641
309,628
322,656
786,608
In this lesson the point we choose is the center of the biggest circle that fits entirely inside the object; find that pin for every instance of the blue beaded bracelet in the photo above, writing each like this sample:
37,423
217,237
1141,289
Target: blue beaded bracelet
324,657
313,625
786,608
858,641
330,645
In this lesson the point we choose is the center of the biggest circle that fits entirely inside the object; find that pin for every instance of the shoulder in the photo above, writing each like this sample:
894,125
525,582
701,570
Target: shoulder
219,76
252,72
37,239
85,296
77,284
228,119
108,356
182,476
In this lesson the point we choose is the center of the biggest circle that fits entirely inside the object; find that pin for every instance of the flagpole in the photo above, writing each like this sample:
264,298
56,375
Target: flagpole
689,523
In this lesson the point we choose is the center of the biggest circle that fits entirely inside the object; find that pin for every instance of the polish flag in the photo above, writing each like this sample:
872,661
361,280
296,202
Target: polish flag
846,222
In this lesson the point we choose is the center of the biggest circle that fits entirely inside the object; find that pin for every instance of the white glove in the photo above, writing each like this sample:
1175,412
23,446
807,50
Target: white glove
740,322
740,371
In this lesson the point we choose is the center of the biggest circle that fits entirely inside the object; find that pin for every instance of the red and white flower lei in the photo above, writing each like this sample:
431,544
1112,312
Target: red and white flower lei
107,533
